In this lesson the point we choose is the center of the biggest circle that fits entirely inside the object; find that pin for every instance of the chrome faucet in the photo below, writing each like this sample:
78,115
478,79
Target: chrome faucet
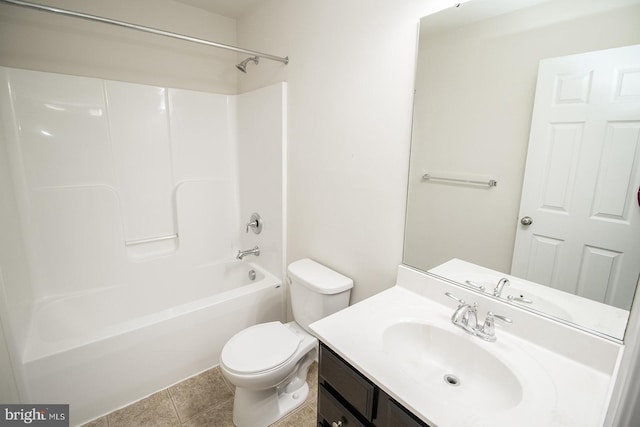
255,251
466,318
500,286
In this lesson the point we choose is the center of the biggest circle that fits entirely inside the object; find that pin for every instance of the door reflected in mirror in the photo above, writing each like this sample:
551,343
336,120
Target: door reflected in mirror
575,227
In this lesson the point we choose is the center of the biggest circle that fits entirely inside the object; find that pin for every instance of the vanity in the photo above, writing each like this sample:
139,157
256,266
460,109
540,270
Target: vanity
396,359
347,398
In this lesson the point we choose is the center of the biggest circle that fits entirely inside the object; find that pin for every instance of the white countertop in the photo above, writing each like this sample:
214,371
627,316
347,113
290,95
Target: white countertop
554,390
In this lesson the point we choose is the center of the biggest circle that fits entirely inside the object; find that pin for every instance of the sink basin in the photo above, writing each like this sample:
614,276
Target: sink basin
452,366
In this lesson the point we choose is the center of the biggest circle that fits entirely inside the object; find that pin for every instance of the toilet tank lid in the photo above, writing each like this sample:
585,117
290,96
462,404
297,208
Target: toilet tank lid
319,278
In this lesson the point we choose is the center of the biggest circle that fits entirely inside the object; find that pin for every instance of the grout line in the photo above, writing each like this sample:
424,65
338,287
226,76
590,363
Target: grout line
175,408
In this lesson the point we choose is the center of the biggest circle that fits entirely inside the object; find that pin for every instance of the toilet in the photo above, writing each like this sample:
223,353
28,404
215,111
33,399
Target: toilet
268,362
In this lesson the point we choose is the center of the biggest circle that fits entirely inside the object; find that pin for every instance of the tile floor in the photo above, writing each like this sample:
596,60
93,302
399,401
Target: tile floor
203,400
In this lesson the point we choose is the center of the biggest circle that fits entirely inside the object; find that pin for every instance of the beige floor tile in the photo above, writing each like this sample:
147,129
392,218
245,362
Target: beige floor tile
220,416
199,394
202,401
226,381
312,380
155,410
99,422
305,416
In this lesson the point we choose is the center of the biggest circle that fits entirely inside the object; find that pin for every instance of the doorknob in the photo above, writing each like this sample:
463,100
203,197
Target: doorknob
526,220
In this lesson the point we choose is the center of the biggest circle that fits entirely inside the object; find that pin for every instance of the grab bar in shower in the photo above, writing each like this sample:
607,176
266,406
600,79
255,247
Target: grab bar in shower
488,182
150,240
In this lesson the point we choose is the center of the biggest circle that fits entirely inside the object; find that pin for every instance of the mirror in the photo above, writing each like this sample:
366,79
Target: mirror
476,83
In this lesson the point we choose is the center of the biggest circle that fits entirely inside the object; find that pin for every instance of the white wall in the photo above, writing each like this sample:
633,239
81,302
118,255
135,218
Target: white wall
350,84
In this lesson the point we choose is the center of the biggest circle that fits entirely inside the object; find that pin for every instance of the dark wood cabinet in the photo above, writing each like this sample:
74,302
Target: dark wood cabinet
347,398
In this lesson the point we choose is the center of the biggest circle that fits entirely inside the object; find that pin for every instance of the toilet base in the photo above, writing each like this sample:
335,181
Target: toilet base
262,408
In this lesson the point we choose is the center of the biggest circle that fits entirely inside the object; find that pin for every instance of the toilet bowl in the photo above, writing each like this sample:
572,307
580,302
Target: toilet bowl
268,363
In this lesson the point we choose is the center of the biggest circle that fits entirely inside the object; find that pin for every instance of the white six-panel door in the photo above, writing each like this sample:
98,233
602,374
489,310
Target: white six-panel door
582,177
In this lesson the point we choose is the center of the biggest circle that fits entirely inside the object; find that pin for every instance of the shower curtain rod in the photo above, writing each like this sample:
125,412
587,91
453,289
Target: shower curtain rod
284,60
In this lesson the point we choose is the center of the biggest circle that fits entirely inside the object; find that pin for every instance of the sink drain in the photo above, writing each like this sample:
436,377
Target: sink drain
451,380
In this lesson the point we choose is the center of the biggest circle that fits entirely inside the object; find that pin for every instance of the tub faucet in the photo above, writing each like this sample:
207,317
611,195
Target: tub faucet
255,251
500,286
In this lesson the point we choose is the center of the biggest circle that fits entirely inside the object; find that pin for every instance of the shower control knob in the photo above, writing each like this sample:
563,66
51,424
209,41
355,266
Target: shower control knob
255,223
337,424
526,220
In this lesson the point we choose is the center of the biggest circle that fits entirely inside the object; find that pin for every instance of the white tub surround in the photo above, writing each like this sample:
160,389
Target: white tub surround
537,373
131,205
137,353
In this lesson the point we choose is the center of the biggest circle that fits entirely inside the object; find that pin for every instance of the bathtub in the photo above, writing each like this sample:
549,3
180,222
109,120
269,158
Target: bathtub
103,349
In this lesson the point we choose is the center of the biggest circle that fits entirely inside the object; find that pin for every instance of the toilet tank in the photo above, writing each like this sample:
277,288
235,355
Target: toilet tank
316,291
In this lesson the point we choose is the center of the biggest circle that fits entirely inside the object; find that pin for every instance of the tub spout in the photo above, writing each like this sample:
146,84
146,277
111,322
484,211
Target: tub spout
255,251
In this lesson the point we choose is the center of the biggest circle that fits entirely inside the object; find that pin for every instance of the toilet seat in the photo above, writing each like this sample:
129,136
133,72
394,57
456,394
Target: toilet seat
260,348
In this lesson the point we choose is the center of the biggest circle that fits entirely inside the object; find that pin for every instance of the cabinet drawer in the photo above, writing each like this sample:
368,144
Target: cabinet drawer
332,411
348,383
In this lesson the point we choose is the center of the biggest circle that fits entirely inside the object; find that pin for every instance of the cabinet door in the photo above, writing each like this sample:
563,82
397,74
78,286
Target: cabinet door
391,414
353,388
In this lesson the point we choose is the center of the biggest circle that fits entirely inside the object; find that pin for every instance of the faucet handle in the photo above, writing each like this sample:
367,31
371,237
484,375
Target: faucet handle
475,285
255,223
488,331
489,321
498,316
461,302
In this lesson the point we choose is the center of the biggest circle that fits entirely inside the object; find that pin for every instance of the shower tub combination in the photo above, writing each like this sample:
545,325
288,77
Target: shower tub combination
103,349
130,203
